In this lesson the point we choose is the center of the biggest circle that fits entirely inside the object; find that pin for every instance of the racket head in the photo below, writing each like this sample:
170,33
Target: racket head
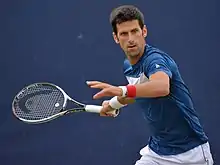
39,103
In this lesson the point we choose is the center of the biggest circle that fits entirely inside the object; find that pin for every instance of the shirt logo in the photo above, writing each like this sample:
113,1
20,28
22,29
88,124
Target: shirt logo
157,66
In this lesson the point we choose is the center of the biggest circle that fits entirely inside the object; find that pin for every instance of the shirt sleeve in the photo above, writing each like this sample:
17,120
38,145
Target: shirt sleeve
156,62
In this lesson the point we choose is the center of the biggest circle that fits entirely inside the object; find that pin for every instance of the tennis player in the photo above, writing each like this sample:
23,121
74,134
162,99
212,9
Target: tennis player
155,84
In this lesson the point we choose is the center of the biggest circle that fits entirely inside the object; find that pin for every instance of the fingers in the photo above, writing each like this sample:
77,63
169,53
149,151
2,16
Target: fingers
91,83
103,93
106,109
106,89
105,103
105,114
106,92
98,84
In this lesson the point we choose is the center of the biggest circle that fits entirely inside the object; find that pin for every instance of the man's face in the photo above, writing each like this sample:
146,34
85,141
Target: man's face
131,38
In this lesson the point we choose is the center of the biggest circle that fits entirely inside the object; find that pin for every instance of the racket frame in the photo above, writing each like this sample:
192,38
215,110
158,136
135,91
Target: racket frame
83,107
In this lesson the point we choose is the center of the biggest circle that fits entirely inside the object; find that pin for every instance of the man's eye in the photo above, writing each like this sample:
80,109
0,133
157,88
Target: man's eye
135,30
123,34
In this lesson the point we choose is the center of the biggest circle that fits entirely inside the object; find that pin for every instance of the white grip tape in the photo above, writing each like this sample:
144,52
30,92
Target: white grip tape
115,104
124,90
97,109
93,108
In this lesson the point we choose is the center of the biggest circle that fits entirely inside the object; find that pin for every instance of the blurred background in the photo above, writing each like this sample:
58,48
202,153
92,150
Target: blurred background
68,42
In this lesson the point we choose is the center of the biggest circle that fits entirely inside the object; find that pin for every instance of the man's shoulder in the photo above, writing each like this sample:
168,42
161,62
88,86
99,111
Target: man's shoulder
152,52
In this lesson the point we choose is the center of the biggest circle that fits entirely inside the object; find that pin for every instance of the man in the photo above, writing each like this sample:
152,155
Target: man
156,85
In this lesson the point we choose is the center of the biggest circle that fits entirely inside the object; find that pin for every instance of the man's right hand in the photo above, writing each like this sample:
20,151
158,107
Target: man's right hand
106,108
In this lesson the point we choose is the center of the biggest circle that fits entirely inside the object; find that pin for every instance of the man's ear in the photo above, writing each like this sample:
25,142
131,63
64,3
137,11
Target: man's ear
115,37
144,31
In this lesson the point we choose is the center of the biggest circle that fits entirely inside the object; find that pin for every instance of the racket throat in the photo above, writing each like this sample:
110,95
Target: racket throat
72,106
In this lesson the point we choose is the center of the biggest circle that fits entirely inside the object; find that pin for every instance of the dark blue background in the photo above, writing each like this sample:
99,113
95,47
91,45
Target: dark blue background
68,42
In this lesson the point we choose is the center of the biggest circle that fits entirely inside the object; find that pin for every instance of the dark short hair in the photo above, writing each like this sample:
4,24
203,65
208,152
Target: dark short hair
125,13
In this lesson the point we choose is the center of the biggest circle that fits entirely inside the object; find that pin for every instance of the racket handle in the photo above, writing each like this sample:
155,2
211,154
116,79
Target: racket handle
97,109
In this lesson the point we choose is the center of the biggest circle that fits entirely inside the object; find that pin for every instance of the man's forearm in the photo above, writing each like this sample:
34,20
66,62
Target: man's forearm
148,89
155,88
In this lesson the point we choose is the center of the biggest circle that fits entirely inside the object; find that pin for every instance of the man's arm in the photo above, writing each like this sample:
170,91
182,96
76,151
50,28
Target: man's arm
157,86
157,69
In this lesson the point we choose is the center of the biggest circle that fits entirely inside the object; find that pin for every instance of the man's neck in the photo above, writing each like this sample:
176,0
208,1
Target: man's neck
135,59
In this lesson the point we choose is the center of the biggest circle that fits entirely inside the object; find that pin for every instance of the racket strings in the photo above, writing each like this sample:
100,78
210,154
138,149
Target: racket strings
39,102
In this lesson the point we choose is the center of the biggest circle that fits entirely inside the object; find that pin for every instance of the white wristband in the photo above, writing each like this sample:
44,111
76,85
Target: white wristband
115,104
124,90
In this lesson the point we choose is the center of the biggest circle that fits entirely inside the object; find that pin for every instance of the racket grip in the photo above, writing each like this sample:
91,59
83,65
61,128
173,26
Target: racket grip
97,109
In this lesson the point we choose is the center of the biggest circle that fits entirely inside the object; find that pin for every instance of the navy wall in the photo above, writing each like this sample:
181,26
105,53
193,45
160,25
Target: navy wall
68,42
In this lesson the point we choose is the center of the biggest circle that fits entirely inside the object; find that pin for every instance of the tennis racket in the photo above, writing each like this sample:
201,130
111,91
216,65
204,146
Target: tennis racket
42,102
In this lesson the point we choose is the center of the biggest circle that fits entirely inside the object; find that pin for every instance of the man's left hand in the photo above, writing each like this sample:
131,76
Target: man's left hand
107,89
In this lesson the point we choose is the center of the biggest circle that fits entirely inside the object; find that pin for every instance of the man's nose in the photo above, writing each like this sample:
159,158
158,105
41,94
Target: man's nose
130,38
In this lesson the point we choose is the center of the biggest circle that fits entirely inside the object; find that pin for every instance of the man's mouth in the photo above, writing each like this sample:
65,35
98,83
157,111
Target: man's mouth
131,46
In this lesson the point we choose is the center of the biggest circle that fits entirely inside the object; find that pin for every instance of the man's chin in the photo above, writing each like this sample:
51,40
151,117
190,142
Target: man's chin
133,54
